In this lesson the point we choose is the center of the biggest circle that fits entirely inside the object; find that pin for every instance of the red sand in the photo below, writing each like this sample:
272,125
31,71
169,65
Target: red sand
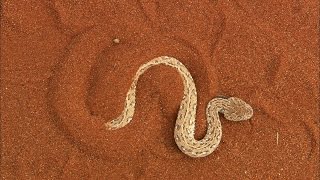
60,71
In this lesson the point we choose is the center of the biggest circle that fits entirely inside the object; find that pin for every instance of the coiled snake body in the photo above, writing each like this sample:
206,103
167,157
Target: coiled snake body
233,108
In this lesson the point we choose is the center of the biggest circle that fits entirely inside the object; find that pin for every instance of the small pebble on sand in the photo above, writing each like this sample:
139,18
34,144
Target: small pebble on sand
117,41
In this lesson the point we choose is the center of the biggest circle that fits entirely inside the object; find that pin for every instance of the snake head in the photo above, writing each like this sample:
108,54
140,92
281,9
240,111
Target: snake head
237,110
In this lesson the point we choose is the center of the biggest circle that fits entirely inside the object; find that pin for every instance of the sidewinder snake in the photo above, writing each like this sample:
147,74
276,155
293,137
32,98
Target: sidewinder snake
233,108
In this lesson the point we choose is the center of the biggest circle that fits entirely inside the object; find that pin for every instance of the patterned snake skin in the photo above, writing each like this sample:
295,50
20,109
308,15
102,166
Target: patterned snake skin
233,108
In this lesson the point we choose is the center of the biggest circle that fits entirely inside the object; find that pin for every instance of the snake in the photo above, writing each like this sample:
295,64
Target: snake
233,109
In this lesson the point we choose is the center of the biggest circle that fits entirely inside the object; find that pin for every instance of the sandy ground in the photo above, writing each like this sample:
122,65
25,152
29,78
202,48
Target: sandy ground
63,76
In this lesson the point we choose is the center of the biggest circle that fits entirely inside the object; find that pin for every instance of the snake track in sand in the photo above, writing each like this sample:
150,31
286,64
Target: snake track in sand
233,108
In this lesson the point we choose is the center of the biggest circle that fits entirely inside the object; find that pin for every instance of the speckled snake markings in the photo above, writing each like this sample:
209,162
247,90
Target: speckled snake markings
233,108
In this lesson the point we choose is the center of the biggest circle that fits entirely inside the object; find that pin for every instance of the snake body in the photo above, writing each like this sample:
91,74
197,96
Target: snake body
233,108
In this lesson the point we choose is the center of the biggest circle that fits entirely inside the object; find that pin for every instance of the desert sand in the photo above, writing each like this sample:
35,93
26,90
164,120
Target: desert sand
66,67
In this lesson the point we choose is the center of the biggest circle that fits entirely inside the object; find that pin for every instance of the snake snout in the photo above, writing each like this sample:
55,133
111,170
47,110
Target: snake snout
238,110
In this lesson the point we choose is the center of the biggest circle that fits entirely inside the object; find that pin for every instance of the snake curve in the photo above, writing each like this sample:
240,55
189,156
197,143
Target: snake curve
233,108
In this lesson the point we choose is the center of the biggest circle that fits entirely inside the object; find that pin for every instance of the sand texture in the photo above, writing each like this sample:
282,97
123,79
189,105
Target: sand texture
66,67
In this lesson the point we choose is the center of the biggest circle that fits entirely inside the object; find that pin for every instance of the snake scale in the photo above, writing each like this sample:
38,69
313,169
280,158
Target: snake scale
233,108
